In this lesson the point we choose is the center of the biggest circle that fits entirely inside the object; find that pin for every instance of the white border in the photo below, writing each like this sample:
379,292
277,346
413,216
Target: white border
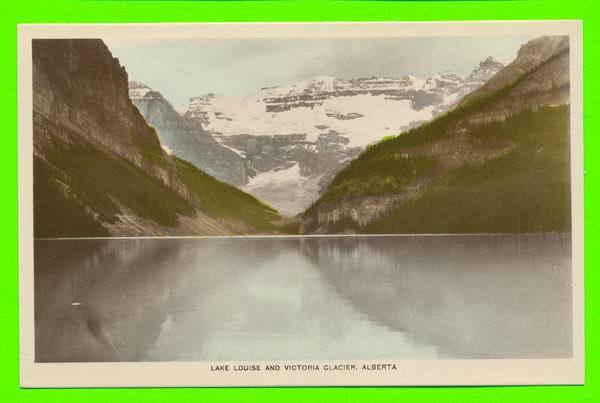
409,372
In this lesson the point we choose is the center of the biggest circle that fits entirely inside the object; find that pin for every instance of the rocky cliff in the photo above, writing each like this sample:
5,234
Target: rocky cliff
532,55
185,137
497,163
99,169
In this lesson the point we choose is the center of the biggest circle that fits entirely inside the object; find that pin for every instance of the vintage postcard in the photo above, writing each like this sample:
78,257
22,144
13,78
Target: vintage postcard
301,204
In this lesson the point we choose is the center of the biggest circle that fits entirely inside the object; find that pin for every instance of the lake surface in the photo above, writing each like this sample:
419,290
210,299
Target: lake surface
323,298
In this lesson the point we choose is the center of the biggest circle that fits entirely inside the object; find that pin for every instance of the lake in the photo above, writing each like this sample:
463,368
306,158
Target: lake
303,298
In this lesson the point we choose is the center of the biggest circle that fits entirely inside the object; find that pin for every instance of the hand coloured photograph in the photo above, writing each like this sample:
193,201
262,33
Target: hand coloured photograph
301,204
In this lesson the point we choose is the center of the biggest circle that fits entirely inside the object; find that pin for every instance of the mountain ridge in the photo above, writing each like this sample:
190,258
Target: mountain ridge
322,86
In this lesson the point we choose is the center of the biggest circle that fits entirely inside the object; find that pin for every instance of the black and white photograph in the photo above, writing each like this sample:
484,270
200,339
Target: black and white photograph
301,204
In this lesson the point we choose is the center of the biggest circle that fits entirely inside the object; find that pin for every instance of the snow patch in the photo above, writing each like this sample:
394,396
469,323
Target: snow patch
316,84
284,189
238,152
274,176
139,93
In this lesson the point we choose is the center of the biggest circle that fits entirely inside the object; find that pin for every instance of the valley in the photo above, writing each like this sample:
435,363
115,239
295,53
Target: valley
285,144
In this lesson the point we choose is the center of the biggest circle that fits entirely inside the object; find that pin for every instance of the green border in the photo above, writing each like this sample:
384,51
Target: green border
13,12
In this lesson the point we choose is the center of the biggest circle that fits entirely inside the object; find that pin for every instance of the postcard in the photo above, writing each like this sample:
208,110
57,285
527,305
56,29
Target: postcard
301,204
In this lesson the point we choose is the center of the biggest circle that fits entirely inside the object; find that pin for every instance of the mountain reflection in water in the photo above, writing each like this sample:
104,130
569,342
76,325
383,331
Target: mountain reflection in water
303,298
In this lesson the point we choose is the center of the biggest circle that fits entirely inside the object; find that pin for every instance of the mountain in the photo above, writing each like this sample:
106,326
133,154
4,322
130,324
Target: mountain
362,109
487,69
100,170
499,162
291,140
530,56
185,137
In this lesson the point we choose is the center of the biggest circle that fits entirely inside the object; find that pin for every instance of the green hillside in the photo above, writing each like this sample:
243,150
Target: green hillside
526,190
225,201
77,181
78,187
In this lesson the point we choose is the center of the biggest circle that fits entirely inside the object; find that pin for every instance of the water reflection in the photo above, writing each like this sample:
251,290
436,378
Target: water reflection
303,298
470,296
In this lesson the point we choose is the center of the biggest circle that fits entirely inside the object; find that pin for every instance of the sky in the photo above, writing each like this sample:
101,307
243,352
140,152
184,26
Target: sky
181,69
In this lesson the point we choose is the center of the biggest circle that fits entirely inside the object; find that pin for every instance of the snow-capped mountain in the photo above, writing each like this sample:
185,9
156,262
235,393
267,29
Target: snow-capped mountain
362,109
293,139
485,70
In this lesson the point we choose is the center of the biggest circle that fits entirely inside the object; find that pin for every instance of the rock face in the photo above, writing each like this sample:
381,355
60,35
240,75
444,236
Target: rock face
532,55
185,137
78,90
519,118
290,141
99,169
540,77
483,72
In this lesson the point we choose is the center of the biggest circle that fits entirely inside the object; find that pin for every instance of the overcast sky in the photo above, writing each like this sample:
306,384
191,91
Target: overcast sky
182,69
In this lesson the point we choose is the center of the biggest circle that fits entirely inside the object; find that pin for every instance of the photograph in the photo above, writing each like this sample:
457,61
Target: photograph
301,204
